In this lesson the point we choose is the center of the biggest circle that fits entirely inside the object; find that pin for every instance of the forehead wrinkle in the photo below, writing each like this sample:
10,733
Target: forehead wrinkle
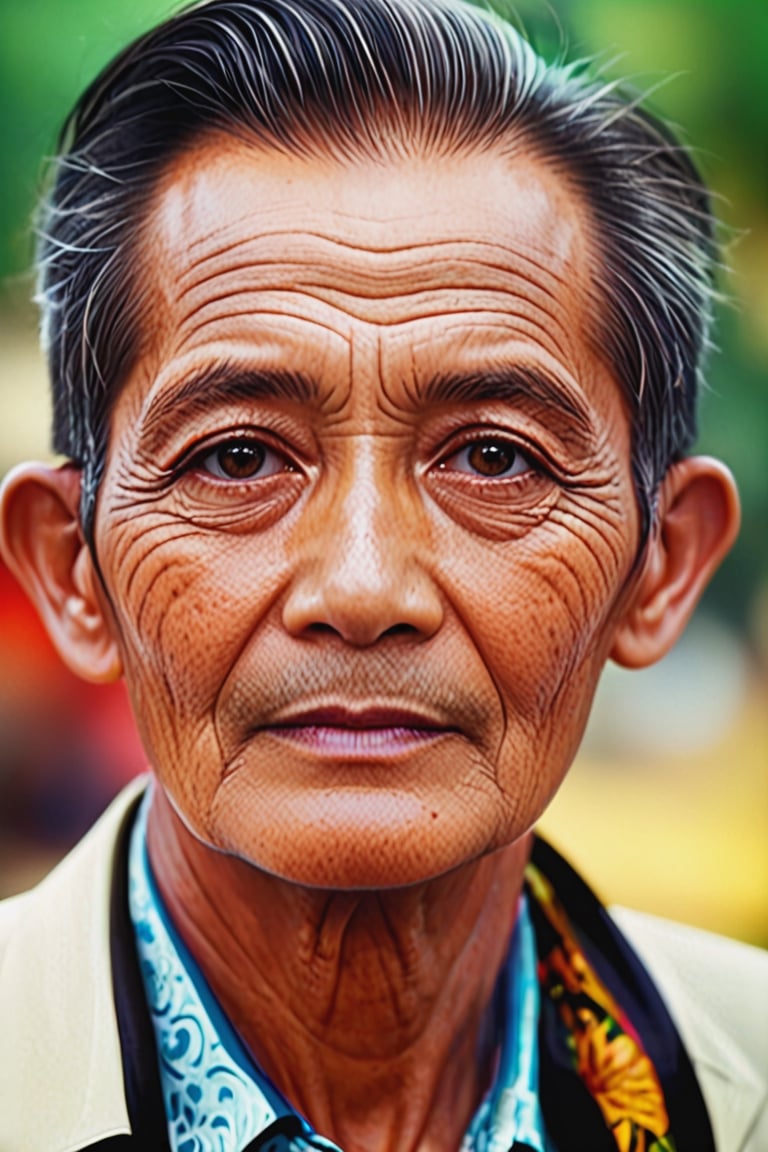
518,321
189,328
366,285
481,335
418,281
186,198
515,272
356,286
519,265
367,247
520,273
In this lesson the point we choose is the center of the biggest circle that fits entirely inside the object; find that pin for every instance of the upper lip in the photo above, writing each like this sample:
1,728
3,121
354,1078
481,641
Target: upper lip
338,716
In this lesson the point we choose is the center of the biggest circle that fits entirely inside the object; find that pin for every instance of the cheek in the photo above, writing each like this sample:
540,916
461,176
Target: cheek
540,613
189,601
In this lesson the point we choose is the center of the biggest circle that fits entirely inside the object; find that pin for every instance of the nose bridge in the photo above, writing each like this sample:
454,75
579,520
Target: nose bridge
362,513
362,575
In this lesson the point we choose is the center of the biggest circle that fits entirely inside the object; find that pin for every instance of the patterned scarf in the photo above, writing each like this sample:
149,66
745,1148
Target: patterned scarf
614,1076
604,1049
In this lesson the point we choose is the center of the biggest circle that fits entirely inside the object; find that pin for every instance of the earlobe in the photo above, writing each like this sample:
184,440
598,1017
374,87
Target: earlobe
42,544
698,520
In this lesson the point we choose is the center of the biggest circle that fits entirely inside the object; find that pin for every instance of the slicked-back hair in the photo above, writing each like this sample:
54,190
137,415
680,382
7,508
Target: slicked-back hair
376,78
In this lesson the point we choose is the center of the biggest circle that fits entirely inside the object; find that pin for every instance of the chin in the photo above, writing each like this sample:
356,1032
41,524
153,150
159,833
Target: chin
355,841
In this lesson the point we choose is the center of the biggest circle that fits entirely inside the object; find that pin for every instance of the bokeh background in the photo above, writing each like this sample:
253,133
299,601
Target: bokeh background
667,806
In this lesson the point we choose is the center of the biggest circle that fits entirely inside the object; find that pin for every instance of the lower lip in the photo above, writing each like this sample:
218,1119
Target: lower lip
339,741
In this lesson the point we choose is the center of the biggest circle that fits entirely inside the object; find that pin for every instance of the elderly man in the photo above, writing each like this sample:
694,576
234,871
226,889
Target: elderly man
374,347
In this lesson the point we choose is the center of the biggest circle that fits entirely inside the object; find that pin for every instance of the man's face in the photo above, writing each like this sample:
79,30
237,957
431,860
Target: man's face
368,514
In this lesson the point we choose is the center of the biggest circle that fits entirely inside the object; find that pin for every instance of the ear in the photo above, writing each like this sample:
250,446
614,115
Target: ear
42,544
697,522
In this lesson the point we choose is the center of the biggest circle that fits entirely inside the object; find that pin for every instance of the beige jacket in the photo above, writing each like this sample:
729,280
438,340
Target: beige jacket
56,999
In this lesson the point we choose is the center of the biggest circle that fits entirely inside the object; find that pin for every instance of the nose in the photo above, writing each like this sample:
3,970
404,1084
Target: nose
360,572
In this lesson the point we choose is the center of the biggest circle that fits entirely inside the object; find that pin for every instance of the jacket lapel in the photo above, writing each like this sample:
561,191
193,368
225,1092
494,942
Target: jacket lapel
56,996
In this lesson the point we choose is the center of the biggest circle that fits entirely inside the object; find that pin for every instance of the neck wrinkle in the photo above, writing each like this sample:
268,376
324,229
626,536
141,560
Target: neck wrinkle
370,1011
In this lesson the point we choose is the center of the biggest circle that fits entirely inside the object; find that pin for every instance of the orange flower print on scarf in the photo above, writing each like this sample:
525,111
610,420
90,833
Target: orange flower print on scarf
606,1051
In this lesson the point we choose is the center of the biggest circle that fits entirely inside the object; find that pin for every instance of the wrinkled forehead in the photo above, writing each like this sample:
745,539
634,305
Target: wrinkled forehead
423,254
441,189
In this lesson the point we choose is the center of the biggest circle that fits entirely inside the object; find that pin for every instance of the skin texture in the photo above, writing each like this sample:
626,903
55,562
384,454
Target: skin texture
368,565
367,535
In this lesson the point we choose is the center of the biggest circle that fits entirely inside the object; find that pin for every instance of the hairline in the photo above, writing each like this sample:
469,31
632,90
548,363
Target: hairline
510,144
652,313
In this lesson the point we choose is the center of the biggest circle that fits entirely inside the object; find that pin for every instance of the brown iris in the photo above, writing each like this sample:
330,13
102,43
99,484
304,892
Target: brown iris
491,457
240,459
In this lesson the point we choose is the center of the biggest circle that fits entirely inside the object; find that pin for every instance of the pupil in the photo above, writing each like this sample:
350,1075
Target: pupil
241,461
491,459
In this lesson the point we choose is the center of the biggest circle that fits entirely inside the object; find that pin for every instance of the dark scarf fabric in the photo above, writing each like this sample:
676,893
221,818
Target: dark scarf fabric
614,1076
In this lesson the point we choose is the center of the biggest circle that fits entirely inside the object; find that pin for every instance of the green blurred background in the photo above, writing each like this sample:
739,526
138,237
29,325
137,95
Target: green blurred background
669,806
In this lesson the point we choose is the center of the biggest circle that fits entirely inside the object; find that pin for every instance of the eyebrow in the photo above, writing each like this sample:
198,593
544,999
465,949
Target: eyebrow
509,384
221,384
218,385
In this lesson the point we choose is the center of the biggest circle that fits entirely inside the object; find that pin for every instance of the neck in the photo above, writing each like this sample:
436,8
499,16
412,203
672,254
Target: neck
371,1011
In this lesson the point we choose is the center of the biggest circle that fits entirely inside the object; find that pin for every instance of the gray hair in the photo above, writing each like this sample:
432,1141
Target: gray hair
369,77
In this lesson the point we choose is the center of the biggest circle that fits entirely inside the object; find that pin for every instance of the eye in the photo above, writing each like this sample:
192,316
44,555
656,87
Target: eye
241,459
491,458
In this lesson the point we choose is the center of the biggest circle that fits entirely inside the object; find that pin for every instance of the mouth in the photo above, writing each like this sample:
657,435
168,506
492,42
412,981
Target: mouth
340,731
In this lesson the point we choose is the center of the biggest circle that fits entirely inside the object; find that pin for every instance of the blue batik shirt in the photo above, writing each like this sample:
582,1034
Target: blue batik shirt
216,1097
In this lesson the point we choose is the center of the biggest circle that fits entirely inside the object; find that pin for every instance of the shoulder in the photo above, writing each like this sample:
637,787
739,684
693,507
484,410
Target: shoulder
716,991
58,1025
10,911
89,863
705,978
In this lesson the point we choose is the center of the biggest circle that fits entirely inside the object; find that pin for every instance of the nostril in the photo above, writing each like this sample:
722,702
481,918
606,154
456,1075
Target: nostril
362,602
320,629
400,630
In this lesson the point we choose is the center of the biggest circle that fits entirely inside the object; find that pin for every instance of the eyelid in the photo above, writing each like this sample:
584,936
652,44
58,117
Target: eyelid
519,464
194,456
269,463
536,458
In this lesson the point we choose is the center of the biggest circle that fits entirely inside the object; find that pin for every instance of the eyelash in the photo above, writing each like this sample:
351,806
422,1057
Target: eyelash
532,459
197,458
